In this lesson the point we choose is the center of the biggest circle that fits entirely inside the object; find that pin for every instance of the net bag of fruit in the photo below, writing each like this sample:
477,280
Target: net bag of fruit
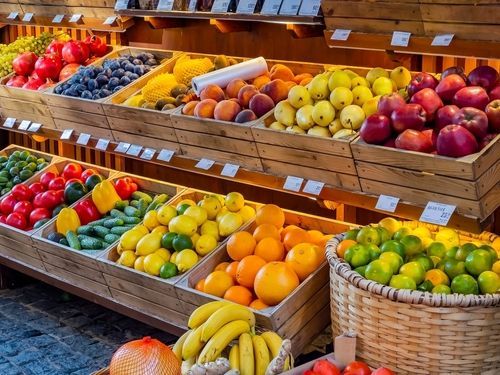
416,330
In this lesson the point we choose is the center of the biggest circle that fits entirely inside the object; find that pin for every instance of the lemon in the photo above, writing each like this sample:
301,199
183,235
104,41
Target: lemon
229,223
166,213
189,202
153,263
422,232
206,244
220,197
186,259
139,263
221,213
183,224
199,214
130,239
234,201
127,258
194,238
390,224
448,237
160,229
141,228
151,220
164,253
211,228
148,244
247,213
119,249
212,205
173,257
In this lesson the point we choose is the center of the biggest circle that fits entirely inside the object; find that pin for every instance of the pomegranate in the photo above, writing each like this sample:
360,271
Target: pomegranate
17,81
56,47
75,52
33,83
68,70
24,63
48,66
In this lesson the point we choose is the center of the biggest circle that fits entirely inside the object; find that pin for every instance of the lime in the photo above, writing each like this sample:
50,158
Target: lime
168,270
351,234
435,260
413,270
167,239
463,251
182,208
166,213
412,244
183,202
437,277
478,261
368,235
453,267
441,289
374,251
489,282
464,284
181,242
186,259
400,233
357,255
403,282
451,252
379,271
393,259
426,286
390,224
425,261
206,244
393,246
436,249
361,270
384,234
493,253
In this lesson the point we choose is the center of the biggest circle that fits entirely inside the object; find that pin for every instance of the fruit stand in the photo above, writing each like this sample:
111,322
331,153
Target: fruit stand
161,157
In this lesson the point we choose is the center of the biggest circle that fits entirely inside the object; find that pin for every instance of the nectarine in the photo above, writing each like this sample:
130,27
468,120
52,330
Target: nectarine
226,110
212,92
205,108
277,90
233,87
245,94
188,109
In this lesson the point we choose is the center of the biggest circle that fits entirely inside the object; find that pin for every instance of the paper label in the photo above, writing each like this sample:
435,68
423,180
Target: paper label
165,5
9,122
442,40
387,203
229,170
293,183
34,127
400,39
437,213
165,155
220,6
271,7
75,18
192,5
310,7
290,7
102,144
205,164
148,153
66,134
246,6
121,4
313,187
58,18
122,147
134,150
28,17
341,34
12,15
83,139
110,20
24,125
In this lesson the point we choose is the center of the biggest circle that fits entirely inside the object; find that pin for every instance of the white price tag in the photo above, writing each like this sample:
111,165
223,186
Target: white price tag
313,187
192,5
148,153
437,213
165,5
110,20
387,203
121,4
122,147
290,7
66,134
309,7
102,144
400,39
293,183
83,139
246,6
34,127
134,150
271,7
75,18
24,125
442,40
341,34
229,170
28,17
12,15
205,164
165,155
58,18
220,6
9,122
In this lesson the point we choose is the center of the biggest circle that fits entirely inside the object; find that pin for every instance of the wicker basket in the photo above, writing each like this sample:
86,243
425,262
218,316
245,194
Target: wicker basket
412,331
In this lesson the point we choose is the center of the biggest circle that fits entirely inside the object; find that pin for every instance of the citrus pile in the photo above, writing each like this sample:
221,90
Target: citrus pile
403,258
267,265
171,239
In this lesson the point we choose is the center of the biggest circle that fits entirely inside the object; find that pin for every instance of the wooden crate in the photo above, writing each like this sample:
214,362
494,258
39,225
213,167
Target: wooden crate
88,8
303,314
471,182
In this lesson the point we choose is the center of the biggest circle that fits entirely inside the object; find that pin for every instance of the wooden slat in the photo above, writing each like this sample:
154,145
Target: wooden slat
145,141
143,129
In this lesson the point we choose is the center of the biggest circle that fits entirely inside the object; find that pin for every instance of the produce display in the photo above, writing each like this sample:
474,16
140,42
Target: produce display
172,239
268,263
325,367
417,259
18,167
455,116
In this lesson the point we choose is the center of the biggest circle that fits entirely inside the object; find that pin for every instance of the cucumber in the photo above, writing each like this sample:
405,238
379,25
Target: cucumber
73,241
87,230
143,205
110,223
140,195
101,231
131,220
119,230
63,241
116,213
131,211
91,244
55,237
133,203
120,205
110,238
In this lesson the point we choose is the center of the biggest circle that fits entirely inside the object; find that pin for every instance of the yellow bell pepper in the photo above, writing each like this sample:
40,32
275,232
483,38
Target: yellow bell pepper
105,196
67,219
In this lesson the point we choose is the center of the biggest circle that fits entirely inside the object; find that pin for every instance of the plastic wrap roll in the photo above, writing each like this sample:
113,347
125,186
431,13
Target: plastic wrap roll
246,70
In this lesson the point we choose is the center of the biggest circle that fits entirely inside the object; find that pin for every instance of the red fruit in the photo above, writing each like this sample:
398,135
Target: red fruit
376,129
495,93
309,372
7,204
454,70
3,219
260,104
57,183
21,192
324,367
472,119
33,83
55,47
48,67
36,188
383,371
38,214
46,178
420,82
486,140
60,196
72,170
429,100
68,70
484,76
444,116
388,103
75,52
24,208
409,116
46,85
471,96
357,368
16,220
493,113
87,173
413,140
50,199
456,141
391,142
96,45
71,180
38,200
17,81
24,64
449,85
431,136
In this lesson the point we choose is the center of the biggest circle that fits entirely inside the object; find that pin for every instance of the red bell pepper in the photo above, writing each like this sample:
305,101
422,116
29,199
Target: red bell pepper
87,211
125,187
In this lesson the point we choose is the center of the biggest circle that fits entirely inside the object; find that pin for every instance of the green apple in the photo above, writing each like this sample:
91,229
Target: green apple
298,96
352,117
304,117
401,76
339,79
284,113
361,94
318,87
319,131
323,113
341,97
375,73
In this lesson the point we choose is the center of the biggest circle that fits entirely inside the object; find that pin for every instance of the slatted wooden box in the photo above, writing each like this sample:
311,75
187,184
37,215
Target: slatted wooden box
472,183
303,314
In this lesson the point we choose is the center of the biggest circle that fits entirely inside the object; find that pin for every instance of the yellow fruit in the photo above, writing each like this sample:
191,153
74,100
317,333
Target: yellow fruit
183,224
151,220
220,214
194,238
186,259
141,228
229,223
234,201
197,213
159,87
496,267
186,69
130,239
173,257
153,263
161,229
401,76
422,232
148,244
135,101
185,201
212,205
206,244
166,213
139,263
448,237
127,258
390,224
119,249
211,228
247,213
217,283
164,253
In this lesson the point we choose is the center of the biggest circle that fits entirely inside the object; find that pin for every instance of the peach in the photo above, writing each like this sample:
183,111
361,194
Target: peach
260,104
226,110
299,77
305,81
245,94
261,81
205,108
188,109
246,115
212,92
280,71
233,87
277,90
290,84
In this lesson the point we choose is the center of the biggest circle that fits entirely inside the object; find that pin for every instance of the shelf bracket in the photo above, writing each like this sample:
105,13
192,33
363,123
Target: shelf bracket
164,23
225,26
298,31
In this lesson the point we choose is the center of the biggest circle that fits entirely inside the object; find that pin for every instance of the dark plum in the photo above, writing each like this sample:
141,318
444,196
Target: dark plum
139,69
137,61
105,93
117,88
129,67
58,89
86,94
151,62
124,81
102,80
92,84
113,82
118,73
133,76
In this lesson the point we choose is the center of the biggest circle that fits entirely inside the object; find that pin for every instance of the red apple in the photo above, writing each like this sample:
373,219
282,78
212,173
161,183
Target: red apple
472,96
448,86
456,141
454,70
409,116
484,76
429,100
376,129
391,142
420,82
486,140
493,113
444,116
389,103
495,93
472,119
413,140
431,135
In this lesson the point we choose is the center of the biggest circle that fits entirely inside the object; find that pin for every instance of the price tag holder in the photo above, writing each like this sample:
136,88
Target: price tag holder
341,34
66,134
293,183
400,39
271,7
205,164
9,122
313,187
165,155
102,144
122,147
121,5
24,125
246,6
134,150
229,170
58,18
28,17
220,6
437,213
34,127
148,153
75,18
83,139
310,7
192,6
165,5
110,20
442,40
13,15
289,7
387,203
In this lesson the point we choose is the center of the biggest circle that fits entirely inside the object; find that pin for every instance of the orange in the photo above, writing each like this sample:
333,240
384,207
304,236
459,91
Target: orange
257,304
270,249
248,268
217,283
343,246
239,294
324,240
294,237
232,268
320,251
200,285
221,266
240,244
287,229
303,260
270,214
274,282
315,236
266,230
